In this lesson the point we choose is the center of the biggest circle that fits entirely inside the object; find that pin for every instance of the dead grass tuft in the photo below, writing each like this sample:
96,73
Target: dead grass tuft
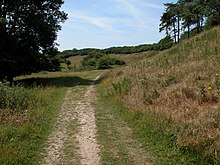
12,117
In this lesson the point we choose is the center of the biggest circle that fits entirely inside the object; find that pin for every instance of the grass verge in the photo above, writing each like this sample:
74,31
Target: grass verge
156,135
21,142
118,145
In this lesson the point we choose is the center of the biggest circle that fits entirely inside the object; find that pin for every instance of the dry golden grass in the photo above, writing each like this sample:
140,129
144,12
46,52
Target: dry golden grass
76,61
128,58
12,117
133,58
184,84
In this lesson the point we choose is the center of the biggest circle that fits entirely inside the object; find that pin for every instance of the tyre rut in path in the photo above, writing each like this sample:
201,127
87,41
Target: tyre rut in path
76,106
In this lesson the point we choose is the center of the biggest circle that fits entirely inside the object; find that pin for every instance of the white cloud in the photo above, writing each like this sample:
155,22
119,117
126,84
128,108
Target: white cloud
143,3
150,5
133,10
101,22
139,17
110,22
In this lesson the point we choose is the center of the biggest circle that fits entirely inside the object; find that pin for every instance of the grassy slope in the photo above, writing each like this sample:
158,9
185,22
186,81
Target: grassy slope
181,86
128,58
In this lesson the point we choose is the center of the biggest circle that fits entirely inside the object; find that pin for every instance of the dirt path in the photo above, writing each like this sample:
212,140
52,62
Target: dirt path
86,137
74,138
77,109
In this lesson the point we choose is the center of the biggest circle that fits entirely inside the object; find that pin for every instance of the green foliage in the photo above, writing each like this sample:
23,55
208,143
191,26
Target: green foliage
121,87
99,61
165,43
28,30
191,15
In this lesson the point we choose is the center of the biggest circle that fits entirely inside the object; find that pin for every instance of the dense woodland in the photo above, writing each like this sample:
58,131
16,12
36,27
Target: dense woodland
28,30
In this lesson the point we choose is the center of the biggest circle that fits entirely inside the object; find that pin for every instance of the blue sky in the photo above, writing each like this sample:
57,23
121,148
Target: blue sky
107,23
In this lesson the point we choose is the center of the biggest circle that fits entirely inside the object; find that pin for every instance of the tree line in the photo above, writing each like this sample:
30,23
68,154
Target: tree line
189,17
28,30
164,43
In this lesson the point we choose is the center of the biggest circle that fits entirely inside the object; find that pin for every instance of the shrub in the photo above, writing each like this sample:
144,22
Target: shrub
100,61
121,87
16,98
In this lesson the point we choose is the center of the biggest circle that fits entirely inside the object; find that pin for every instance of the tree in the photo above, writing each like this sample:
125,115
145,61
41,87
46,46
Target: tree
189,15
213,9
100,61
28,30
170,21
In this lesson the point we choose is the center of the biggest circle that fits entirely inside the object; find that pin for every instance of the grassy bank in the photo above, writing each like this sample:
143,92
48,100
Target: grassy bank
180,85
157,134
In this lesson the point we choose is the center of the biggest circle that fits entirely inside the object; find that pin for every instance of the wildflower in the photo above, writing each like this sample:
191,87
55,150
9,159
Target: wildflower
216,74
209,88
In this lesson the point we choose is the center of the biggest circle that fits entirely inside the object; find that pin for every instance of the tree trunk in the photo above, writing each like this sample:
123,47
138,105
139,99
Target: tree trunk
174,30
188,26
198,24
10,79
178,26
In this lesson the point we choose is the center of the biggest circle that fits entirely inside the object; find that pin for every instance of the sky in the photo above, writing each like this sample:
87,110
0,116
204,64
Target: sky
106,23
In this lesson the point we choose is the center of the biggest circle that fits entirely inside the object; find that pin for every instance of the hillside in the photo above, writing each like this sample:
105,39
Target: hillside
180,88
128,58
163,44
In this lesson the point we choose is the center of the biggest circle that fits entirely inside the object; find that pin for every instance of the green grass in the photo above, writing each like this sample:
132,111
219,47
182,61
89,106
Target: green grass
114,136
21,143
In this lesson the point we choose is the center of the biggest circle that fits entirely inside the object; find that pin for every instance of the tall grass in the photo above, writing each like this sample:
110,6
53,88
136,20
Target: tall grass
183,84
26,118
17,98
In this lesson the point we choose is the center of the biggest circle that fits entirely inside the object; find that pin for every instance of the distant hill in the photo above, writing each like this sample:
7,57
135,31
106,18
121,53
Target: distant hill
164,43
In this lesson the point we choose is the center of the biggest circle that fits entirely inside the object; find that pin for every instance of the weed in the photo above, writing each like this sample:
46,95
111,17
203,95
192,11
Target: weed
121,87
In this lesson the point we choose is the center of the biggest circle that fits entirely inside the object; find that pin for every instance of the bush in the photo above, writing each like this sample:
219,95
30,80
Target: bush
16,98
100,61
103,63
